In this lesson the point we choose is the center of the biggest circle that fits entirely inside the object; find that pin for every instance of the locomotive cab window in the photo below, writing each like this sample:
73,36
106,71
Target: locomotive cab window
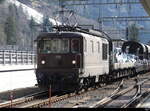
75,46
105,51
54,46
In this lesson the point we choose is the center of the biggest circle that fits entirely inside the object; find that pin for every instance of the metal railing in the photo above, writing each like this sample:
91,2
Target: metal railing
17,57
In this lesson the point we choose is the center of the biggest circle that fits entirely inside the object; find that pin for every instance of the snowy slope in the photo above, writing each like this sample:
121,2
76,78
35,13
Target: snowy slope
31,12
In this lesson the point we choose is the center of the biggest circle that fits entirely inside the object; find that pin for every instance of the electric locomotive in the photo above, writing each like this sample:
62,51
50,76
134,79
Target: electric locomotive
72,58
67,60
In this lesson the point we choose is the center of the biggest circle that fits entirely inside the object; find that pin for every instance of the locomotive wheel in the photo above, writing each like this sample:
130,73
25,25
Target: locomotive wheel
110,77
119,74
115,75
92,82
86,83
132,73
79,86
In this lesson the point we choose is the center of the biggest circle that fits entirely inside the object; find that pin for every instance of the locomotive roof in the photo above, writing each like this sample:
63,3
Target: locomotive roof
74,31
60,34
63,34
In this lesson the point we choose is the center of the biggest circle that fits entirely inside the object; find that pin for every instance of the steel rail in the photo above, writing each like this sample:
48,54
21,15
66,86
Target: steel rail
109,99
30,98
56,98
53,100
115,91
18,101
46,102
136,100
137,95
145,96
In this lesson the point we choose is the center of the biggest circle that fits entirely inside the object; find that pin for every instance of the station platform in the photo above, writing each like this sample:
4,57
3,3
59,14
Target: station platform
16,76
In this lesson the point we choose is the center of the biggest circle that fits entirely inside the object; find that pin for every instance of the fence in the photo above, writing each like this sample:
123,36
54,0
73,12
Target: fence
17,57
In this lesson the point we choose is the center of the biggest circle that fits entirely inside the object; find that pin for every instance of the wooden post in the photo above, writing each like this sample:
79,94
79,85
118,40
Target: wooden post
50,96
11,99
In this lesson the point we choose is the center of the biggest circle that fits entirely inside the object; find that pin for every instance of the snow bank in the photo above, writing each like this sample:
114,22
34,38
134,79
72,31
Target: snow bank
20,79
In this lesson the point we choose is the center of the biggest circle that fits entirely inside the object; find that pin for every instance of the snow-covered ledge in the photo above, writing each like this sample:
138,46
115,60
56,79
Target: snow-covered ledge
5,68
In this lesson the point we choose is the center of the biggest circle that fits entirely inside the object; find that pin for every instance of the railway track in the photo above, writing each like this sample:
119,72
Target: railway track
106,102
132,100
35,100
52,100
21,100
143,102
84,96
115,92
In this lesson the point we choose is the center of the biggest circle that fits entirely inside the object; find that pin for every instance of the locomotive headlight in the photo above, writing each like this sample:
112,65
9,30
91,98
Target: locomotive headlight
42,62
73,62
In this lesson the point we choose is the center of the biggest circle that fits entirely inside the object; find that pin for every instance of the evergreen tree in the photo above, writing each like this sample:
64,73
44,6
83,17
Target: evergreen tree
133,32
1,1
32,24
10,27
32,31
47,25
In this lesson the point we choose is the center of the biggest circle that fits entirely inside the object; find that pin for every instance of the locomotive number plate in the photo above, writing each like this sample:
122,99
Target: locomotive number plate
58,57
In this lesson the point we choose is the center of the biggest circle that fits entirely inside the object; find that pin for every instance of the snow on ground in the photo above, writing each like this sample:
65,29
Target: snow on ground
17,79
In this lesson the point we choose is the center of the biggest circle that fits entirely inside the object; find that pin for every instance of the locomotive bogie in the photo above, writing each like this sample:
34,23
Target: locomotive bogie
59,79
